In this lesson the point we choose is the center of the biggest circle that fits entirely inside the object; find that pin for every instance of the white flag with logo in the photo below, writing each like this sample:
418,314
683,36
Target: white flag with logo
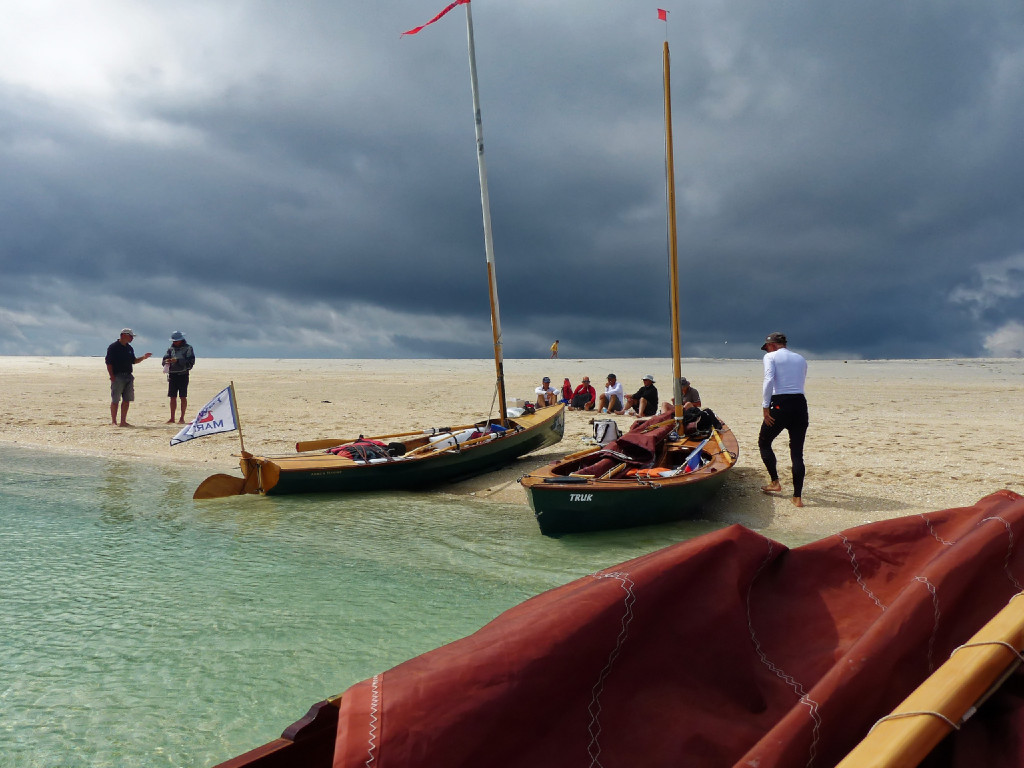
218,415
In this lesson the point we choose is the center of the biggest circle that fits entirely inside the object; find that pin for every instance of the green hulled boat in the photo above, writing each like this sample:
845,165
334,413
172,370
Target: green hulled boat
654,473
410,460
421,459
602,488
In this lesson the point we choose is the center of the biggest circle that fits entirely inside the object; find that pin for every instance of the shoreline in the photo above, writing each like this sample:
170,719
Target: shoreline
887,438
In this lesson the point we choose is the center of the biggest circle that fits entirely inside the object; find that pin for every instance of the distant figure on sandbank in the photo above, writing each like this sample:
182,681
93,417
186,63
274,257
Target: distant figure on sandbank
554,350
120,360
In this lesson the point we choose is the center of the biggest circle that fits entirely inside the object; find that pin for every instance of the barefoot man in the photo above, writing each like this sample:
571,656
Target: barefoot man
785,408
120,359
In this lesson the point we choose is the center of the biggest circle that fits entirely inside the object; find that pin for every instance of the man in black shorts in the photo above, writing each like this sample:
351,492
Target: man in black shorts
178,361
120,359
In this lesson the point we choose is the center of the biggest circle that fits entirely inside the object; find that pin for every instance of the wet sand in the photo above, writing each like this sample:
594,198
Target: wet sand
887,438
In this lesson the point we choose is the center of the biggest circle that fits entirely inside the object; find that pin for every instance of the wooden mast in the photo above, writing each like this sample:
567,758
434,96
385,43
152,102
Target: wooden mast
485,204
673,265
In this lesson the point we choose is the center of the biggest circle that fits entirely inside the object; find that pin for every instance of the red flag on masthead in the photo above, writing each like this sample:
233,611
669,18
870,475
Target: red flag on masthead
414,30
662,14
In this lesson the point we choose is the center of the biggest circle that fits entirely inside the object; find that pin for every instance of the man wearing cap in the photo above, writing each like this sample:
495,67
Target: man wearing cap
613,400
583,397
120,359
784,406
645,399
178,361
691,397
546,394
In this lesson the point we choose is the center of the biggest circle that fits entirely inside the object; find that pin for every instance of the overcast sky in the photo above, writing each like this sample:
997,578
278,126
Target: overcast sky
298,180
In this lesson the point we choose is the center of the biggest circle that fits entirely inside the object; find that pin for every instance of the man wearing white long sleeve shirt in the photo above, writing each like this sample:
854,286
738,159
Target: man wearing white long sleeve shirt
784,407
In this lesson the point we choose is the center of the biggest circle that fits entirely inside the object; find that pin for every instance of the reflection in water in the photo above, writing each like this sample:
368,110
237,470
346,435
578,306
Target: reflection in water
142,628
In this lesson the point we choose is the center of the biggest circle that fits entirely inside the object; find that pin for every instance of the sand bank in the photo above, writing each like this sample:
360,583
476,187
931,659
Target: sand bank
887,438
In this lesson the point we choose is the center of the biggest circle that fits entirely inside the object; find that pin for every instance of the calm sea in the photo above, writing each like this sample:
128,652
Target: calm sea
141,628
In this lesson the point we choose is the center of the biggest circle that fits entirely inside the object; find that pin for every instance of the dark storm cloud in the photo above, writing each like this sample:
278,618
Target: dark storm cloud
304,183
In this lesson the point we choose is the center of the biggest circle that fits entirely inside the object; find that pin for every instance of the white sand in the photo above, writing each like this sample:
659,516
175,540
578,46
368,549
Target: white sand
887,438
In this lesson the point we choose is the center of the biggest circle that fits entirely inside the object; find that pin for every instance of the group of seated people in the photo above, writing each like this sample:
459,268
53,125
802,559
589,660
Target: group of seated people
643,402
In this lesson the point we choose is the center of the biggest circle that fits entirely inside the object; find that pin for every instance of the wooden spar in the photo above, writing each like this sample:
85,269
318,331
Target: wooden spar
954,691
485,204
673,261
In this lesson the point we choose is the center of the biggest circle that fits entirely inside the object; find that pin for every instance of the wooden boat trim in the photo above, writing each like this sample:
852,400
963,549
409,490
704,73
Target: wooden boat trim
946,699
308,741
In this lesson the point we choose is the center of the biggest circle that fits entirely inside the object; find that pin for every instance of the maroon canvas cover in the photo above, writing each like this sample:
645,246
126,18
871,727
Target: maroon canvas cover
638,447
727,650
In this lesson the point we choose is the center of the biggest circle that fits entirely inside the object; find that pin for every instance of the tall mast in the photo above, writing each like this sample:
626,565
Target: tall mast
673,265
485,204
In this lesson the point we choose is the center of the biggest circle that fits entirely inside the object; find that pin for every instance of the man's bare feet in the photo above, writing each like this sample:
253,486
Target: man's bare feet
170,420
125,424
774,487
797,501
181,421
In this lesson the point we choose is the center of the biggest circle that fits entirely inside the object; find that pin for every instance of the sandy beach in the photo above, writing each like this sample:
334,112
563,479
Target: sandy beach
887,438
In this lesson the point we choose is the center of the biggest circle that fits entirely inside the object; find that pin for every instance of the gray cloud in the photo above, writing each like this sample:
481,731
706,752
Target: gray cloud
303,182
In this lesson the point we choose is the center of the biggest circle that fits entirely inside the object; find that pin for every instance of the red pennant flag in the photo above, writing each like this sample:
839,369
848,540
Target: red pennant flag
414,30
662,15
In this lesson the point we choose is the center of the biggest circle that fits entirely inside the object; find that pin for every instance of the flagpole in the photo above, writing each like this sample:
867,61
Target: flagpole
238,422
485,204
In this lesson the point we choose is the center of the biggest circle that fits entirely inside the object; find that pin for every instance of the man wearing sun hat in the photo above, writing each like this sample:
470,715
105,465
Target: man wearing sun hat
645,400
784,407
120,359
178,361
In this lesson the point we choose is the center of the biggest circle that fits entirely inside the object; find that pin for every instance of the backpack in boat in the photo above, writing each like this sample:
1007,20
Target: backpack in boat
606,431
361,450
698,422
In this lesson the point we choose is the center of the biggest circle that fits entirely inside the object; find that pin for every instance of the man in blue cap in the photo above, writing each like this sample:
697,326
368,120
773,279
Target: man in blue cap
546,394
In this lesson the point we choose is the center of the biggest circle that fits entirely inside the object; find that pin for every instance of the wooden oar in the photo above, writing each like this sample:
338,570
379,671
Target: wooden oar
609,475
905,737
721,446
330,442
428,448
219,486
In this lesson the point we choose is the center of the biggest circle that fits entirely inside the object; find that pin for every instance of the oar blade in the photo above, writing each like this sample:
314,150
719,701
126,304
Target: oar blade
219,486
319,445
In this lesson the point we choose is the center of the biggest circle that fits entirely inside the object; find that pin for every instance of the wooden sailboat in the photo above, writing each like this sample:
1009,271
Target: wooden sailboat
654,473
420,458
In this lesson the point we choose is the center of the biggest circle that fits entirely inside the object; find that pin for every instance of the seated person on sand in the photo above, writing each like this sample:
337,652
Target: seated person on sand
691,398
643,402
613,400
566,398
583,397
546,394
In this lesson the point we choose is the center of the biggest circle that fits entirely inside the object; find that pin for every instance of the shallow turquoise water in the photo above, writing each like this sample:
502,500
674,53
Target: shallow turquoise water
141,628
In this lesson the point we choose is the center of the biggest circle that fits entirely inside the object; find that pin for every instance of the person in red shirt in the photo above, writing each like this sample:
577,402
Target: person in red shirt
583,397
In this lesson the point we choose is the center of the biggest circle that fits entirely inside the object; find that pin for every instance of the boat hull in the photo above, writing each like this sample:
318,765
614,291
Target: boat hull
325,473
561,508
564,505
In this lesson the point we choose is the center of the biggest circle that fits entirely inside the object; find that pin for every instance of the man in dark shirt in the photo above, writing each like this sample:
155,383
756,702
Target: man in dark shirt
120,359
645,399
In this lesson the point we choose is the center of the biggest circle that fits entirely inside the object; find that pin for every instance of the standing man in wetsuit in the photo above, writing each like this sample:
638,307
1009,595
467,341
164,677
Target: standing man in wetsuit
784,407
